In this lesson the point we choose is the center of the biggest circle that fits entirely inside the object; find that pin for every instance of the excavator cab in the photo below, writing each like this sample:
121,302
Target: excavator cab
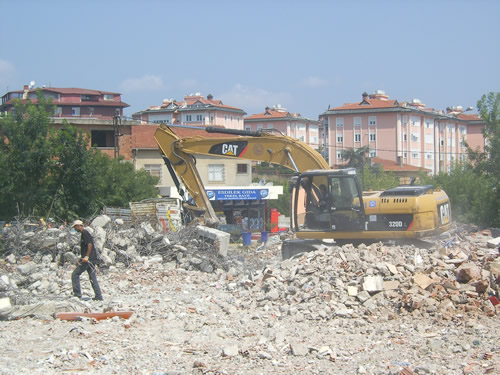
327,201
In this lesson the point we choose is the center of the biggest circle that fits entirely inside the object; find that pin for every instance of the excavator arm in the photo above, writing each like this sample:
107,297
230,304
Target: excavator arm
258,146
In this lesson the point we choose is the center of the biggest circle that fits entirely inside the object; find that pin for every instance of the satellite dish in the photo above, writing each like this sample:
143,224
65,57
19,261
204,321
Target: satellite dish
32,84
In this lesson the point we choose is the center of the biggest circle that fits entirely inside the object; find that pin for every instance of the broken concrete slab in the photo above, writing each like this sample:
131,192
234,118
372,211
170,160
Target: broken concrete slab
217,236
422,280
373,284
467,272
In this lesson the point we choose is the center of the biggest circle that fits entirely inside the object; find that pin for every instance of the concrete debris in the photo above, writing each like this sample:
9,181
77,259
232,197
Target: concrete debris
374,309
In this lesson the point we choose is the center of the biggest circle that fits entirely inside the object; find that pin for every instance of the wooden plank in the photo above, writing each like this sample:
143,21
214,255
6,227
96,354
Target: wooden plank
97,316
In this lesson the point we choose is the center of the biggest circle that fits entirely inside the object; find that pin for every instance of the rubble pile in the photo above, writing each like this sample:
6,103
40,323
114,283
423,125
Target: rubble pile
351,282
371,309
118,245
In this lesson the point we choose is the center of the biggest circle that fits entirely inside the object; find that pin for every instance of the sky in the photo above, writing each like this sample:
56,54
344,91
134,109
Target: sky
304,55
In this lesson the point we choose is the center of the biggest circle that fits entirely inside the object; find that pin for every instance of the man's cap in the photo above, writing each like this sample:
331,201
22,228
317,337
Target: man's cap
77,222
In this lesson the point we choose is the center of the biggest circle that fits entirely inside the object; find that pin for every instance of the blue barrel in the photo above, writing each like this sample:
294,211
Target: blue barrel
264,236
247,238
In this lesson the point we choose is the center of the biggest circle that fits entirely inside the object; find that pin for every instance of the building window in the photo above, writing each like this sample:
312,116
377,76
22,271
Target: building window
91,111
357,137
357,122
57,111
339,121
102,138
188,118
405,120
199,117
414,155
75,111
247,127
415,121
372,120
429,138
405,155
373,153
211,119
414,137
216,172
153,169
428,155
340,155
108,97
340,138
242,168
404,137
372,137
429,124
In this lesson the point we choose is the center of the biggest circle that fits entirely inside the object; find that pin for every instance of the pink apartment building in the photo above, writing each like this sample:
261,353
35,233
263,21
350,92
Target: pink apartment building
194,110
403,132
290,124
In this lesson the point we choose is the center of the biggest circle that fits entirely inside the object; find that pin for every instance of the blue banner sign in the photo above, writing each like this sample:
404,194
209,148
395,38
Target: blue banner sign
237,194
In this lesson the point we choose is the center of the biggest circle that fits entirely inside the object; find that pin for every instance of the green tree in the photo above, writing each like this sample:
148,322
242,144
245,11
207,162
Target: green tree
25,158
488,161
474,187
71,179
357,158
472,195
375,178
121,184
44,172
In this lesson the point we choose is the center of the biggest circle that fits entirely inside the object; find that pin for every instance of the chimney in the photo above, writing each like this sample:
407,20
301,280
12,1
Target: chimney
210,97
364,95
400,161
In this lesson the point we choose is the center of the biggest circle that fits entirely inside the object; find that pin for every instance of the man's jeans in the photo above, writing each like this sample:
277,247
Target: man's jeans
75,279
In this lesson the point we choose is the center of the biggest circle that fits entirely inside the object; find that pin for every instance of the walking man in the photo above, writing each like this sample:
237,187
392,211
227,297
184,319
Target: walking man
86,263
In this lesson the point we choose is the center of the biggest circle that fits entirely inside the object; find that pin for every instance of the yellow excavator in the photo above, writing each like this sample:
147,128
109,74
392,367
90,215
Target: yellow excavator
326,203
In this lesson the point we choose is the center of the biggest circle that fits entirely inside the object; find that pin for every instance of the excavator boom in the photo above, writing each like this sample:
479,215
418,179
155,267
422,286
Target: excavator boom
282,150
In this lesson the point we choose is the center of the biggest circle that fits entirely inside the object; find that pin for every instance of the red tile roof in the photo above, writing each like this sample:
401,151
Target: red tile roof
101,103
469,117
143,135
368,104
270,114
76,90
390,165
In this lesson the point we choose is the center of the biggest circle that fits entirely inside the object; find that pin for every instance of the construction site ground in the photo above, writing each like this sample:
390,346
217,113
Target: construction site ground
372,309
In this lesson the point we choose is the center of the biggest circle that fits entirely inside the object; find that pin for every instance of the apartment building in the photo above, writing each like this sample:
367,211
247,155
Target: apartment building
97,113
194,110
291,124
404,132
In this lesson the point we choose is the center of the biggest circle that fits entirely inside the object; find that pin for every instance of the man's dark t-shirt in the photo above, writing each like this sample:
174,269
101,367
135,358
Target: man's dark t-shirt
84,241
